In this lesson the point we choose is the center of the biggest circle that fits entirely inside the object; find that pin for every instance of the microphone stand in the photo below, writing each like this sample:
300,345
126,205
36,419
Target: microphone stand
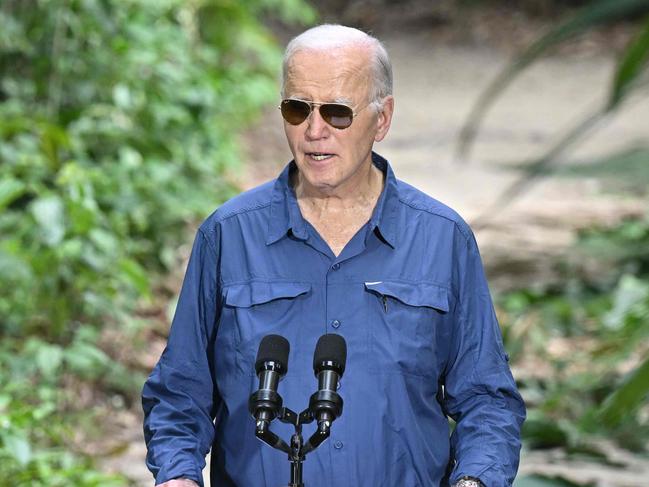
298,450
325,405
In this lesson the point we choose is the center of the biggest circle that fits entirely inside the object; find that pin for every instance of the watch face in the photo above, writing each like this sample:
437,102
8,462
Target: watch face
468,483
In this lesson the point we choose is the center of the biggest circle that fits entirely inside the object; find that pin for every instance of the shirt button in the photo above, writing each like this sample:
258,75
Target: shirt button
338,445
335,323
336,266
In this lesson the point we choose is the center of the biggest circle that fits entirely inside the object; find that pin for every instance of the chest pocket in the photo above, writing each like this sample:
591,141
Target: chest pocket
257,308
406,318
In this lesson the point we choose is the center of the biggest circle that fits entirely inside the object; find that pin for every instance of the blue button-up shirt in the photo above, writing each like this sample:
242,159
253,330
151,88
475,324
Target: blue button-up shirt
409,296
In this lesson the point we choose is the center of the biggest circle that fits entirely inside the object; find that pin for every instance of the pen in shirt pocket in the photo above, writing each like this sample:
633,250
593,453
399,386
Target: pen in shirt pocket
384,298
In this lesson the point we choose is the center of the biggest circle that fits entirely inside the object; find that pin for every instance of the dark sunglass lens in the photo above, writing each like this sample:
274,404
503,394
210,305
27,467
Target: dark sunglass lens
295,111
339,116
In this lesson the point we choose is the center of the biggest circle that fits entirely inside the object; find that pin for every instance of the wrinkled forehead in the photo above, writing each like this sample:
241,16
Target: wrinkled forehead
342,74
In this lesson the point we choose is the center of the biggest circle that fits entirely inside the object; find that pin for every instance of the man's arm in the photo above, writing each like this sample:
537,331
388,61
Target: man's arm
178,397
479,391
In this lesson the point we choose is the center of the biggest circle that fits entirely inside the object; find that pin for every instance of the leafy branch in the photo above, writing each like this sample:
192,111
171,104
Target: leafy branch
628,79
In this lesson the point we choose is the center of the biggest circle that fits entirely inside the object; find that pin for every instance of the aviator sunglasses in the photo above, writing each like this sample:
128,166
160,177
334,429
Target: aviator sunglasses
337,115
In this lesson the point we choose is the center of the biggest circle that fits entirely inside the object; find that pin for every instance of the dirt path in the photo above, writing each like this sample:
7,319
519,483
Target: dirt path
434,89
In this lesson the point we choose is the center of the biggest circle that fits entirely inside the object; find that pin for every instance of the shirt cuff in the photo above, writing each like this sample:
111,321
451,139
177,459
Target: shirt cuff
179,468
489,477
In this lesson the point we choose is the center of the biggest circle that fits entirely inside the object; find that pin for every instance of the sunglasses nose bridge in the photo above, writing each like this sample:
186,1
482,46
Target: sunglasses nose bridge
313,108
317,126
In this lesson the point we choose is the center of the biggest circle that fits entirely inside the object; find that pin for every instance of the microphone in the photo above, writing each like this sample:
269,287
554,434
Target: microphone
271,365
328,365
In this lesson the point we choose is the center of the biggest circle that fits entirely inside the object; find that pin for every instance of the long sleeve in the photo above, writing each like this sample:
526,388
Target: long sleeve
479,391
179,396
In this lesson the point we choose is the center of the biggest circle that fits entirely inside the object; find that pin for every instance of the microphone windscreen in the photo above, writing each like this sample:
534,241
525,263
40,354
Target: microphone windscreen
273,348
330,348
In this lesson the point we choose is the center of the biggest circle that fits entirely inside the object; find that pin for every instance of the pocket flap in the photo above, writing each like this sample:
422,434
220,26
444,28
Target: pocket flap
413,293
256,292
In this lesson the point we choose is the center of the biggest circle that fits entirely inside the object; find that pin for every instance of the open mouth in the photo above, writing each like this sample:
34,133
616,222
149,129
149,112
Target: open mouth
319,156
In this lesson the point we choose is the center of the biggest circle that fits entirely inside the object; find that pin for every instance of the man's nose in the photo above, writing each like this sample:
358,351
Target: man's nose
317,128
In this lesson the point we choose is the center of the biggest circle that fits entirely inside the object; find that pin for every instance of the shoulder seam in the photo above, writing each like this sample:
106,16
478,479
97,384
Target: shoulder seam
233,213
211,244
431,212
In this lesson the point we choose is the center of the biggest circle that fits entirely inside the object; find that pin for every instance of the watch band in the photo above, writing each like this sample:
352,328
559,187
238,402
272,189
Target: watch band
468,482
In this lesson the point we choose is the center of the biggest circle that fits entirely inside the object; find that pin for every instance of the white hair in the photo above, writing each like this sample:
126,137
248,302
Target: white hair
333,36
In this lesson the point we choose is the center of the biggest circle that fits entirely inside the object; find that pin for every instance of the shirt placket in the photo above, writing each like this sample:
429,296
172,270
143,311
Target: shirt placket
336,445
339,285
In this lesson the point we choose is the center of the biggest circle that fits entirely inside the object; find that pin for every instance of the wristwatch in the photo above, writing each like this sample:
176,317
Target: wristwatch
468,482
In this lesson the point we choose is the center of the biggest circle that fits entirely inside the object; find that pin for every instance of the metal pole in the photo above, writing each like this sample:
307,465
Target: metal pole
296,474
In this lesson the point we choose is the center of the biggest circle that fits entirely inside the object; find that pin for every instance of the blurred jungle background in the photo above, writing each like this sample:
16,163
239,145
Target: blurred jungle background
123,123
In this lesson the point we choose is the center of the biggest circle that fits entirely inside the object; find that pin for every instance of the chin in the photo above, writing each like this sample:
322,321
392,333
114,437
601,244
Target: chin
320,181
315,173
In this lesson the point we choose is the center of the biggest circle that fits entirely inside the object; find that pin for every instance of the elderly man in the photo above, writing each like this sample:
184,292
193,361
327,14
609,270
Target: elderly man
337,245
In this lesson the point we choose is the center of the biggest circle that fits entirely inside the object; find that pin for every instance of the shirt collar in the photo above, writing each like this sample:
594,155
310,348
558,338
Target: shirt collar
285,213
385,218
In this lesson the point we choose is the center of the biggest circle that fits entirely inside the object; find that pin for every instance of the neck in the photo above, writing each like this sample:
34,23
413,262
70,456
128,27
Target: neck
363,195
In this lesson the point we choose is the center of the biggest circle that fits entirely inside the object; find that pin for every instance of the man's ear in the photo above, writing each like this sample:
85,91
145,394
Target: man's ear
384,118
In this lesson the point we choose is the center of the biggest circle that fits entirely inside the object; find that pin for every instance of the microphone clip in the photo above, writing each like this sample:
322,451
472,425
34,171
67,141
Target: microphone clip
325,405
298,449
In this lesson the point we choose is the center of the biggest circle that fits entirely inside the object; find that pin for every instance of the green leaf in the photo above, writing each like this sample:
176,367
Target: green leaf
48,213
13,267
624,170
136,276
105,241
86,359
17,446
82,217
633,62
630,292
49,358
10,189
625,399
53,139
122,96
5,400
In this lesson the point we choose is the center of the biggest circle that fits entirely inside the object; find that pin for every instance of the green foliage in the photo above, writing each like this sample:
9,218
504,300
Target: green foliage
627,397
118,121
591,334
633,62
33,428
624,171
117,124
